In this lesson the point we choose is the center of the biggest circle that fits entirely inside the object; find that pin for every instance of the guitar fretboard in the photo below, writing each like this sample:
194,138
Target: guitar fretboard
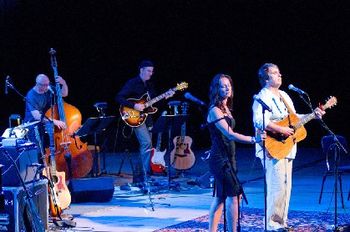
156,99
305,120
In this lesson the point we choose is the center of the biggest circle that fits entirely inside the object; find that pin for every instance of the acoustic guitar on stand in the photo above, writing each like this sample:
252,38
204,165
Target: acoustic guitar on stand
54,205
60,189
135,118
182,157
280,146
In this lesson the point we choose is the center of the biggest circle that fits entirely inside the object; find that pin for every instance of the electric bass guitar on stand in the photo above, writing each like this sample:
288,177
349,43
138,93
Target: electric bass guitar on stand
157,157
135,118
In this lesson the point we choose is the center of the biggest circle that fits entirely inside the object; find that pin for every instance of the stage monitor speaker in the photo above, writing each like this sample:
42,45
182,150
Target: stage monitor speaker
24,158
15,207
95,189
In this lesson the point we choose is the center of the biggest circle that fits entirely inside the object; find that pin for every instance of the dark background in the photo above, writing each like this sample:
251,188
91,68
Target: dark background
100,43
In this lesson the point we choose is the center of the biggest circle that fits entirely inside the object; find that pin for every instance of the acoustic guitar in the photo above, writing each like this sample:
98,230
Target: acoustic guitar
157,157
279,146
135,118
60,190
182,157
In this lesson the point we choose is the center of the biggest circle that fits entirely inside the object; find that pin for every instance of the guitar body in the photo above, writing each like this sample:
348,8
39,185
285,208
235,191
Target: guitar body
279,146
157,161
182,157
135,118
59,190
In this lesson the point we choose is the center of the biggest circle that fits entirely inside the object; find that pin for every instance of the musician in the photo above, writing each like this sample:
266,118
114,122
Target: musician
135,88
222,160
278,172
39,100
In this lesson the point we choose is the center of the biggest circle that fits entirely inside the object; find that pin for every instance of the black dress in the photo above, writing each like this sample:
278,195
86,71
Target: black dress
222,161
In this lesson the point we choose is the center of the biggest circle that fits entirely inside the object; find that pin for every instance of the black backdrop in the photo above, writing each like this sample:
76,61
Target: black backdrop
100,43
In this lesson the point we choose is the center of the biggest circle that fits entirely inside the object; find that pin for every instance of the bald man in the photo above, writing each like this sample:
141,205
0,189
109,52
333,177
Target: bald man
39,99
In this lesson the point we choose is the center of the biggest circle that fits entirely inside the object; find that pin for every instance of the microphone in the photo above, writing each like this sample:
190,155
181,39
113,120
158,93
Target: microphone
50,89
190,97
295,89
6,84
262,103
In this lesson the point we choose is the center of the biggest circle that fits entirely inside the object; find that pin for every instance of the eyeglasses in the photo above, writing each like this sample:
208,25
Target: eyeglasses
43,85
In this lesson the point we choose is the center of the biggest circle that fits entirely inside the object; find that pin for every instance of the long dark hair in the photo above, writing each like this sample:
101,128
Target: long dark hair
214,97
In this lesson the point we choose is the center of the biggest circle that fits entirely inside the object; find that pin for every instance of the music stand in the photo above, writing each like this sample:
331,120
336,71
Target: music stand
94,126
171,124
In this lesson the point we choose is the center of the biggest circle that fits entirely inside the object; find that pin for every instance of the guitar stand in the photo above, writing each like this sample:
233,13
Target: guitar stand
171,124
94,126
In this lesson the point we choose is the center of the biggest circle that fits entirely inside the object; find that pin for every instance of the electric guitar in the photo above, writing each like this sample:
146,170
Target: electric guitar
157,157
135,118
278,145
60,189
182,157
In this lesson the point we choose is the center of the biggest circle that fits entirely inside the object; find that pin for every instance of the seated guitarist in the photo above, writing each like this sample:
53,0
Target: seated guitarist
278,171
135,88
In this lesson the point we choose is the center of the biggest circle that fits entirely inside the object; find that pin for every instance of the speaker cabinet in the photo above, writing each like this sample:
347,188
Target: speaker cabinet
15,206
95,189
24,158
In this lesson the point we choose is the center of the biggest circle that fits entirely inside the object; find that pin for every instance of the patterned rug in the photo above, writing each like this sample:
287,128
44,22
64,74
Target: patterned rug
253,220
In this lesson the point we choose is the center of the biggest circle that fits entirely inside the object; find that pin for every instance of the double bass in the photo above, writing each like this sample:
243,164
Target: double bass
71,154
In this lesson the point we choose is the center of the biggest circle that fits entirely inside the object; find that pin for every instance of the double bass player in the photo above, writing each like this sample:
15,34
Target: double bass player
38,100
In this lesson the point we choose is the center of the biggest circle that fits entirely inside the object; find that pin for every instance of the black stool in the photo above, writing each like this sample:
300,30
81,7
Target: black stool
326,143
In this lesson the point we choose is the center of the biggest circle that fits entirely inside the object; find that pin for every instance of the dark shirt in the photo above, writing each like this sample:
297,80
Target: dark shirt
134,88
36,101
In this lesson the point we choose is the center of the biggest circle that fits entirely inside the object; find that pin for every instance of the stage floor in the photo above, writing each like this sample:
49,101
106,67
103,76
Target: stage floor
182,200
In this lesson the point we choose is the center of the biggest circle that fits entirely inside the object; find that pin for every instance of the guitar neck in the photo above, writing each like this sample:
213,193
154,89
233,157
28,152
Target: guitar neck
156,99
159,141
307,118
50,131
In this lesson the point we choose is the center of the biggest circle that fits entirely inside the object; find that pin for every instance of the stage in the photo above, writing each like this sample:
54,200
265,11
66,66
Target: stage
185,205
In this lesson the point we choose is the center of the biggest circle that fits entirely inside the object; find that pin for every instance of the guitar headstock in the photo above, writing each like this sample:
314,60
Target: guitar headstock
181,86
332,101
52,53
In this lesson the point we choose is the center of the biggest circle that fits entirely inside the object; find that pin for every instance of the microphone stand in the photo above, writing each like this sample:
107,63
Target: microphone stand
264,164
263,109
337,147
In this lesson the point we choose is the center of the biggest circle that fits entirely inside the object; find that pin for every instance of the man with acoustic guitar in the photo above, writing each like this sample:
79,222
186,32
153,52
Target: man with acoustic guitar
278,168
135,88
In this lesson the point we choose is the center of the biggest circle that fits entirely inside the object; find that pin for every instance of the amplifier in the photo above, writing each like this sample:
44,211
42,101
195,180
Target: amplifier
26,159
15,207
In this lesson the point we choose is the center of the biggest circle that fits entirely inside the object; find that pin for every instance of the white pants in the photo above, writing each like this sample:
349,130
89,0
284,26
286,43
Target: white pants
279,186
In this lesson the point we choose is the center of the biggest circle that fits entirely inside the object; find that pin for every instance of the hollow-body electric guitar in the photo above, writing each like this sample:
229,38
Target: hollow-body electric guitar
135,118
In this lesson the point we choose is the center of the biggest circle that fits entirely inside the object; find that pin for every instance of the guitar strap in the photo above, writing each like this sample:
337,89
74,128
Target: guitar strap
290,111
